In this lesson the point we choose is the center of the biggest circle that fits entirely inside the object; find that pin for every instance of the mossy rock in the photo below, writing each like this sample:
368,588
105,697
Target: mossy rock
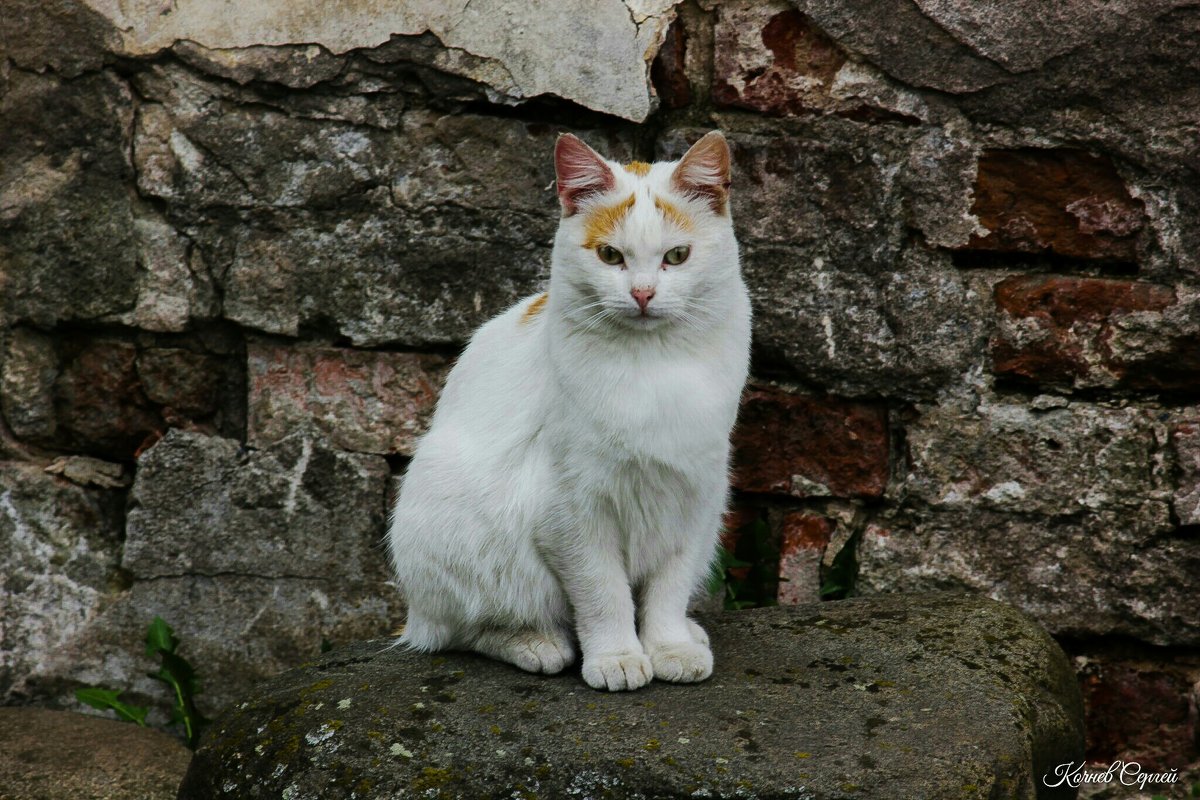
916,696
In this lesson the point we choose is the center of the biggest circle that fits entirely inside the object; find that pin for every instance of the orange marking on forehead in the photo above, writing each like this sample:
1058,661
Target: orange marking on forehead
601,222
535,308
673,214
639,168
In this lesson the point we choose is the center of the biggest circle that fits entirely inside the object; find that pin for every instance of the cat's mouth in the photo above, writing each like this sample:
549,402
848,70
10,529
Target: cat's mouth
645,320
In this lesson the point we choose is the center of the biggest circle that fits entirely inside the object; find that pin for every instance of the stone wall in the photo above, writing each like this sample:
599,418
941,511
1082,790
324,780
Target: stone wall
238,257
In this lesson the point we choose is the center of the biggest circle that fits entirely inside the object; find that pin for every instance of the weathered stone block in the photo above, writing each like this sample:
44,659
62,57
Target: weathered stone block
237,629
301,509
1009,457
1118,572
27,374
836,329
809,447
600,65
414,236
175,288
801,549
819,214
934,697
939,185
771,58
1095,73
274,550
67,248
1066,202
371,402
827,183
59,553
1185,441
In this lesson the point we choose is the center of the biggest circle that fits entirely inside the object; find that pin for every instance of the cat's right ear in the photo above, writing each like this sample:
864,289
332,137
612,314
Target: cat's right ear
579,172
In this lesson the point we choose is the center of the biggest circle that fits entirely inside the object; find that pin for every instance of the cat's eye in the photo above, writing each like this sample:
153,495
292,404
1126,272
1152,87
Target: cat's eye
677,255
610,255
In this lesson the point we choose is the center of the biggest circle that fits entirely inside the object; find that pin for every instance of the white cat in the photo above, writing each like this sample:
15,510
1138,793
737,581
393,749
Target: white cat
572,484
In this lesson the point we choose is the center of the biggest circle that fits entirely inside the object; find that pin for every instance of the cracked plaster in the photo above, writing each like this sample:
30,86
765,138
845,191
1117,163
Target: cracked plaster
595,54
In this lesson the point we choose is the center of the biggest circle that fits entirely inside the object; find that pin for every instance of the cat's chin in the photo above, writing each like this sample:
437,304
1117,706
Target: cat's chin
643,322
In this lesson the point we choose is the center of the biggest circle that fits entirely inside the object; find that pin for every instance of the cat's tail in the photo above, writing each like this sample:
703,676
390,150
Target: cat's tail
425,635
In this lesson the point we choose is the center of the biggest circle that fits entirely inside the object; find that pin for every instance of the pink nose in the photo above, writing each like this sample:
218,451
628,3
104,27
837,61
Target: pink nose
643,297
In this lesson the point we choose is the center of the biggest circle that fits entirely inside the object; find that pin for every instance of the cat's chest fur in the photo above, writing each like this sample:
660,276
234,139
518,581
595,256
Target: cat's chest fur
646,405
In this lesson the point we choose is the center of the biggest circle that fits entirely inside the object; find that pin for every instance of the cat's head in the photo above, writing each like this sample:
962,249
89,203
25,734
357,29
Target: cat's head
641,246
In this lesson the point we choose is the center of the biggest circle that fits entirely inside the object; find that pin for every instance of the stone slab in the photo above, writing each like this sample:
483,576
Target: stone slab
931,696
301,508
58,755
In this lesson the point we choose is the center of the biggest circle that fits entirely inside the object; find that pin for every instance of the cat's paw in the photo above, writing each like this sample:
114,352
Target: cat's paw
532,651
617,672
681,662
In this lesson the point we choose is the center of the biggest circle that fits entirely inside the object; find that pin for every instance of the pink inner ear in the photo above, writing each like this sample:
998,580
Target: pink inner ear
579,172
704,171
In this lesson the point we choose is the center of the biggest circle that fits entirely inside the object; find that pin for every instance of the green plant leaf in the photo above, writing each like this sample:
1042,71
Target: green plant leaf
843,572
105,699
178,674
160,638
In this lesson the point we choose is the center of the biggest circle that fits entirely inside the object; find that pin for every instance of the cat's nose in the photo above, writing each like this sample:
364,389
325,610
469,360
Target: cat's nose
643,296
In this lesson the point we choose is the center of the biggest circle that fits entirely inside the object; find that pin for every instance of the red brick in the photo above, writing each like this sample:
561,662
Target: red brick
1066,202
771,58
1076,332
668,72
802,546
366,401
1139,711
809,446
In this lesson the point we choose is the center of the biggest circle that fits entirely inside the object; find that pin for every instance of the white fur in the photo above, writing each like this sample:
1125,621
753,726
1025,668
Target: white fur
571,487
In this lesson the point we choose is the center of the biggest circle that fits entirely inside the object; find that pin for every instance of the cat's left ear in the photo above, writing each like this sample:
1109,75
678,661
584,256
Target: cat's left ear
704,171
579,172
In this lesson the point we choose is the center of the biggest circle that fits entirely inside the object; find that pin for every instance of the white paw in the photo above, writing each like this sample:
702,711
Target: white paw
532,651
617,672
681,662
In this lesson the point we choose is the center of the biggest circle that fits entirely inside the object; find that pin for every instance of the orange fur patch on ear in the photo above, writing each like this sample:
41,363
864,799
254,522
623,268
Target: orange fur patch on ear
639,168
674,215
601,222
535,308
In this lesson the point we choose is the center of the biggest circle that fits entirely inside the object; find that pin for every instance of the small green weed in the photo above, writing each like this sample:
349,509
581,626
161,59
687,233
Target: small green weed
748,577
174,671
842,573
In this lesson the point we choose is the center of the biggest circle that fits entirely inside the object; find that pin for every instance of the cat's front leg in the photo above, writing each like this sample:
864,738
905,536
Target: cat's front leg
593,576
677,646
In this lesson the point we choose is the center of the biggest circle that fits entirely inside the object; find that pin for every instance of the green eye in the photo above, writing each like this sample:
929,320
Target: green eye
610,255
677,255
